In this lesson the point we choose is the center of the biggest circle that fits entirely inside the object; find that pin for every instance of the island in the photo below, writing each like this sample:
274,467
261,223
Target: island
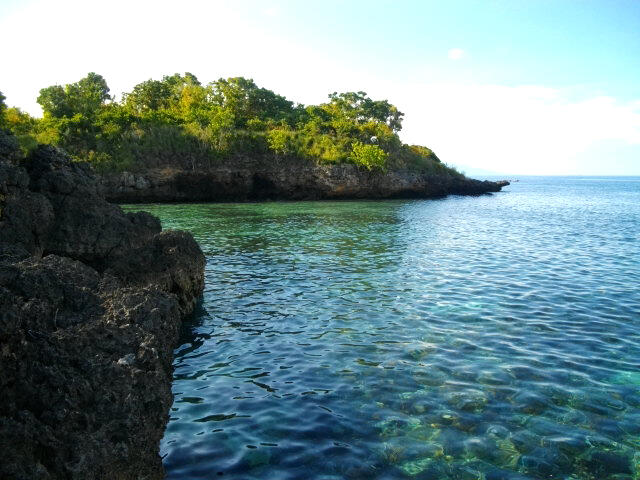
177,140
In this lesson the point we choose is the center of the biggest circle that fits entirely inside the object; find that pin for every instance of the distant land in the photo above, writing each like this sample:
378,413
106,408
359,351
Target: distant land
176,139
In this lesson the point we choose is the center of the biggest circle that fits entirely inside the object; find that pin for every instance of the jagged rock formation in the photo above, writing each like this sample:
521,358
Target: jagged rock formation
91,301
286,179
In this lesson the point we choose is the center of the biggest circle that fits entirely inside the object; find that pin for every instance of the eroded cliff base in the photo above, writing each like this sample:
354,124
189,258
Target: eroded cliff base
91,302
279,178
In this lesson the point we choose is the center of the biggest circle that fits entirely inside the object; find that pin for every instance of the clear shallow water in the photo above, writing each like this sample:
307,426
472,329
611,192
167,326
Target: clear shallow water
494,337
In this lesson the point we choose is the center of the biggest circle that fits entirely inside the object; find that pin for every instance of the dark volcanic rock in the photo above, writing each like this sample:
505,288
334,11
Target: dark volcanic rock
91,301
167,262
84,226
286,179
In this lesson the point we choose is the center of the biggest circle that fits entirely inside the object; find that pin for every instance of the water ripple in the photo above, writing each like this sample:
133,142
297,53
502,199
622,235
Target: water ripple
464,338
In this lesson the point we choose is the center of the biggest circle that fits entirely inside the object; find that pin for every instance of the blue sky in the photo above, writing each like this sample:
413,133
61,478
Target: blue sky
513,87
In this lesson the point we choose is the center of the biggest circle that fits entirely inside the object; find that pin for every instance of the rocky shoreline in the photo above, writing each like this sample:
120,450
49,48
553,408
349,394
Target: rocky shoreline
92,299
286,179
91,303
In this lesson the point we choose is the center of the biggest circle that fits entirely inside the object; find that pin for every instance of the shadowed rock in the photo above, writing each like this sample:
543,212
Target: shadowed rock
91,301
287,179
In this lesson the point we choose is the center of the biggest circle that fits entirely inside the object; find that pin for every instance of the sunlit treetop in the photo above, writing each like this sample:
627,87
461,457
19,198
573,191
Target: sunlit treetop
177,119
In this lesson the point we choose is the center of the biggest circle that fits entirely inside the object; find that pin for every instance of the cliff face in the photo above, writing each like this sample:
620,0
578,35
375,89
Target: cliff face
91,301
286,180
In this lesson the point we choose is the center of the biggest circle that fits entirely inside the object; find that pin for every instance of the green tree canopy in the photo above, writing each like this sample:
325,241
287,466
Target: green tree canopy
359,108
84,97
247,101
177,122
154,95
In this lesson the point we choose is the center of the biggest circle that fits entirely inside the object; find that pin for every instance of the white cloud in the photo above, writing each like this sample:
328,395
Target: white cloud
128,43
531,129
524,129
455,53
272,11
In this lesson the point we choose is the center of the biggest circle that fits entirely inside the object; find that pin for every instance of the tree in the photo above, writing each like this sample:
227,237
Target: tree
88,95
176,121
358,107
54,102
84,97
149,95
19,122
23,126
246,101
154,95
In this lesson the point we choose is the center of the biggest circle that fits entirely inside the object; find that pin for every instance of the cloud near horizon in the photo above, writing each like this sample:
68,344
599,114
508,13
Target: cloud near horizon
526,129
523,129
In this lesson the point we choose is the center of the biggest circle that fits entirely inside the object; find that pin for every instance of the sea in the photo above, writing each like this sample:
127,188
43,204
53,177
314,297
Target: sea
494,337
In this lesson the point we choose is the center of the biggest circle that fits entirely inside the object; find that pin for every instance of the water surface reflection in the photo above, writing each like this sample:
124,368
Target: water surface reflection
464,338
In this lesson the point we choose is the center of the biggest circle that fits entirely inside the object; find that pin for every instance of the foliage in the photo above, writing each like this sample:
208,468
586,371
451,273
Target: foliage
179,122
357,108
280,141
369,156
246,101
424,152
172,92
84,97
22,125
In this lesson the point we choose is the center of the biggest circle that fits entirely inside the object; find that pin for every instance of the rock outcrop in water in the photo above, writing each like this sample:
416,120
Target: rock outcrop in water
91,301
282,179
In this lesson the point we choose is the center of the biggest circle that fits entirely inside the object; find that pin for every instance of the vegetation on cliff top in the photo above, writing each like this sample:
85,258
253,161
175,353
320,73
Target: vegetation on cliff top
178,122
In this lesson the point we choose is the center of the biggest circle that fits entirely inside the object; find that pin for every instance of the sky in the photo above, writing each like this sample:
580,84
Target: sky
536,87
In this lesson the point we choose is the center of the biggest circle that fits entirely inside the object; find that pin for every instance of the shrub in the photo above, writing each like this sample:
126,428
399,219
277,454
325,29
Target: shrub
424,152
281,141
369,156
103,162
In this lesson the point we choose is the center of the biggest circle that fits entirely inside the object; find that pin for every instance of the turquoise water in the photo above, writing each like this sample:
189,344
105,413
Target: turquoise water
493,337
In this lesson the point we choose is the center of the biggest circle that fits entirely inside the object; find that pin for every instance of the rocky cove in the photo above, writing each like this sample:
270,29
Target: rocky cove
92,299
91,303
286,179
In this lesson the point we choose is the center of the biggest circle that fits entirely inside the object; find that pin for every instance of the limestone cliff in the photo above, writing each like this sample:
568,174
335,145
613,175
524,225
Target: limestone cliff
286,179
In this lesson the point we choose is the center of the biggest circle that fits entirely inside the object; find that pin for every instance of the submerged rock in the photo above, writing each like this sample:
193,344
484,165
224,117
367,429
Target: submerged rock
91,301
603,463
545,463
468,400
